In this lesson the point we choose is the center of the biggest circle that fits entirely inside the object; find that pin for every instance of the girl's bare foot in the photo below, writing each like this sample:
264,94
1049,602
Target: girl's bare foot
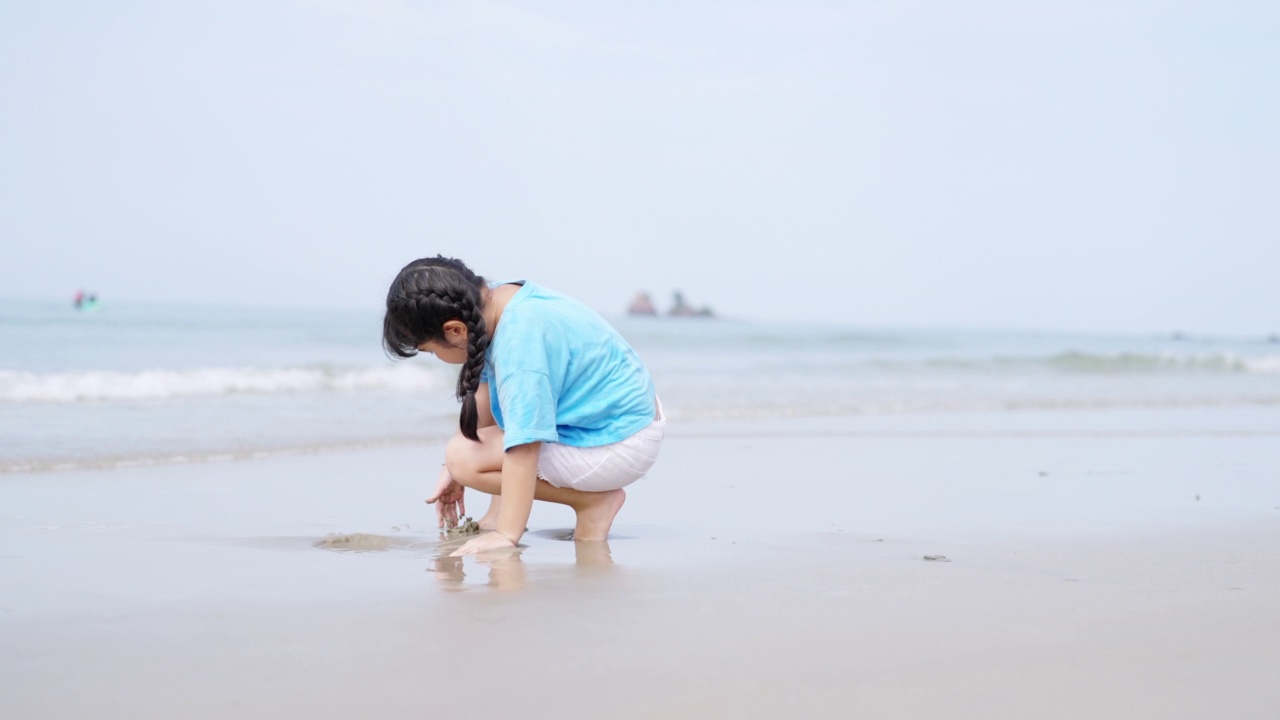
596,517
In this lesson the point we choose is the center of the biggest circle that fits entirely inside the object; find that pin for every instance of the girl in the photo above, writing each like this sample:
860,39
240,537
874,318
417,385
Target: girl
556,405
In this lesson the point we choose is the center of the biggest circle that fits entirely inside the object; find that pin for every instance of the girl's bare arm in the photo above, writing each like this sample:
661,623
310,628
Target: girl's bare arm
519,481
484,409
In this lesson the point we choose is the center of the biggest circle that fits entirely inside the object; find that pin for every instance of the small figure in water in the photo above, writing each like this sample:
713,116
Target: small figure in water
85,301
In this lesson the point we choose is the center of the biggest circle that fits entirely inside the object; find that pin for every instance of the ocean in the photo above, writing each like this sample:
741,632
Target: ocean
136,384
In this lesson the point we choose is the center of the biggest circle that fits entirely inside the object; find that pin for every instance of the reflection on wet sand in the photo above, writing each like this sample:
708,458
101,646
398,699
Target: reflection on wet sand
506,567
591,557
448,571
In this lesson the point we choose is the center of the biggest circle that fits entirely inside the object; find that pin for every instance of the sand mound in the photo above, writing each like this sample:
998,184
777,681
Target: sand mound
466,526
357,542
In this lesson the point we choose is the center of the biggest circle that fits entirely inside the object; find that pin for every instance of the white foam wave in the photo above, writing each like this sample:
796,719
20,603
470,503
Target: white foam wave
1126,363
1267,365
153,385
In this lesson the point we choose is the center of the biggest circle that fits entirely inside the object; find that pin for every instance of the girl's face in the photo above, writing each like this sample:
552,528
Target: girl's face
453,348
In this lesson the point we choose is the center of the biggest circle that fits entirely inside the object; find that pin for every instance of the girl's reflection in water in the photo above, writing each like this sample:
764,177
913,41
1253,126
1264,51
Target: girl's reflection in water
507,570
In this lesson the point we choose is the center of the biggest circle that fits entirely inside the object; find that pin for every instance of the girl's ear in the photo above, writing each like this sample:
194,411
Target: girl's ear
455,333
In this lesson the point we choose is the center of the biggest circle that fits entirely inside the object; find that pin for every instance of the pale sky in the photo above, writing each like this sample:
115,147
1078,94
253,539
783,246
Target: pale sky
1110,165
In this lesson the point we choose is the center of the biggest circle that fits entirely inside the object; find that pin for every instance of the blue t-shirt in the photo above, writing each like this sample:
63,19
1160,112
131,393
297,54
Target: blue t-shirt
558,372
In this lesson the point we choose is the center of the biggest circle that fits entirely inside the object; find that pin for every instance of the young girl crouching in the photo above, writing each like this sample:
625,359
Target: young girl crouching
556,406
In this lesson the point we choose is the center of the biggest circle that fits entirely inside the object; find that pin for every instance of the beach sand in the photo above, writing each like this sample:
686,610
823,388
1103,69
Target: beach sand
1097,564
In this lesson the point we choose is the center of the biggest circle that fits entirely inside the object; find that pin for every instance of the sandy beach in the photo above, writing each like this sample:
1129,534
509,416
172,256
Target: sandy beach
1088,563
963,318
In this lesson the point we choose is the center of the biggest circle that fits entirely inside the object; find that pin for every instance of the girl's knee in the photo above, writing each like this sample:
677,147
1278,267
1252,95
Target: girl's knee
466,458
459,458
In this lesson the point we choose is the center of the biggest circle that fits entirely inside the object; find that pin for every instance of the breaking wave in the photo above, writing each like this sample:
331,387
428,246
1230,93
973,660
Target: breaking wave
1140,363
154,385
1110,363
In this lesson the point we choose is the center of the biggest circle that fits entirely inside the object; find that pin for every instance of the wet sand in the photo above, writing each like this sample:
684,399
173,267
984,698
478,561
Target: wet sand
1099,564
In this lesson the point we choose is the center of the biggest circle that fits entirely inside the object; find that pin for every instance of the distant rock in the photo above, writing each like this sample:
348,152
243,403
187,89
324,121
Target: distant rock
680,308
642,304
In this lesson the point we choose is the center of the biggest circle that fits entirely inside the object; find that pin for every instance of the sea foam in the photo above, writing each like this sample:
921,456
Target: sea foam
164,384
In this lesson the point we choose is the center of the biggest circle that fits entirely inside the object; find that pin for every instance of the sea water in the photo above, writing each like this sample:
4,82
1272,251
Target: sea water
138,384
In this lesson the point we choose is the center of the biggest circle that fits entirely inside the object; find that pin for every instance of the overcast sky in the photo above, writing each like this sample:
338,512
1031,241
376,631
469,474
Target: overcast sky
1110,165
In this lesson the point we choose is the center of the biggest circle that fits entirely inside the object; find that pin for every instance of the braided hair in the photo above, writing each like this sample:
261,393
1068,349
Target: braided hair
425,295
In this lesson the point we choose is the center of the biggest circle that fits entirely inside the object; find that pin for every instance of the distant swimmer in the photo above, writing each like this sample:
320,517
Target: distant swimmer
85,302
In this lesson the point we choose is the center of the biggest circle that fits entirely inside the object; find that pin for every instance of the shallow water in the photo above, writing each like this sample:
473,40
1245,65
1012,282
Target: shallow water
136,384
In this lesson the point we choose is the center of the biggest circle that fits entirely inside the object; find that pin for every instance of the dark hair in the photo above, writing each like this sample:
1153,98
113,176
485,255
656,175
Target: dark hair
425,295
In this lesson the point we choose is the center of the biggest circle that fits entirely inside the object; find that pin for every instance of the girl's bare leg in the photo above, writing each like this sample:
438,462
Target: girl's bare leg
478,465
490,519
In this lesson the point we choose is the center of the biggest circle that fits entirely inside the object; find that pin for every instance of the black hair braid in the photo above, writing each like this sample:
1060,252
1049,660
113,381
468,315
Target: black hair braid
424,296
472,369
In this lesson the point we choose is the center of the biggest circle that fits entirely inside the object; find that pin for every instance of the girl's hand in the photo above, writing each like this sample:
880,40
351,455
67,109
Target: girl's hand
488,541
449,501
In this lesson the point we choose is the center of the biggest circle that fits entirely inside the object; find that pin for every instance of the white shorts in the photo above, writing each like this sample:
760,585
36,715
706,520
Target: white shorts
606,467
